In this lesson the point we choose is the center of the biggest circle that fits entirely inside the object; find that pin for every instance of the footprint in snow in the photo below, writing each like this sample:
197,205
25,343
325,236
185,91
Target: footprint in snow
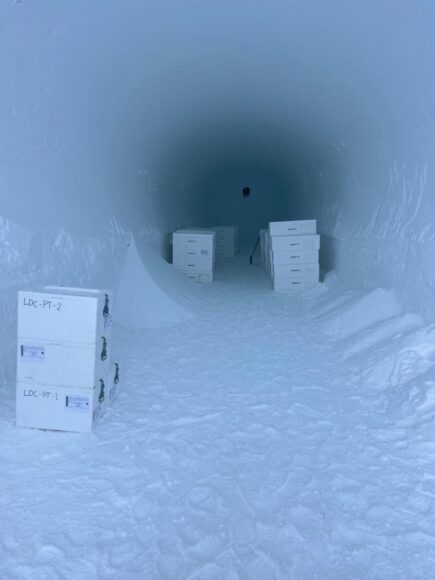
48,553
200,495
170,562
79,569
259,568
212,571
242,530
309,524
224,446
269,501
123,552
206,497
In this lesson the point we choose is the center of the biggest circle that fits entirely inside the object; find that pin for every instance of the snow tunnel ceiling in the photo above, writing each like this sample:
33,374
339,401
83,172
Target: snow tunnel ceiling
229,97
153,99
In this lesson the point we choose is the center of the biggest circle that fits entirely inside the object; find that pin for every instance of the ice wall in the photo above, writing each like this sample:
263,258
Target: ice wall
380,214
75,177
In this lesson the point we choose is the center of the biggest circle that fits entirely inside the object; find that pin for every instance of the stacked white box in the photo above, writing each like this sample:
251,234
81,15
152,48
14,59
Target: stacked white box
263,247
265,250
283,257
289,244
194,253
201,277
63,357
295,270
227,241
294,254
268,253
292,228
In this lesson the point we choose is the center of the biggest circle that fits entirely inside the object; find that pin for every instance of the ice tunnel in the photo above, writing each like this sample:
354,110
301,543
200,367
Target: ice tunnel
139,118
256,434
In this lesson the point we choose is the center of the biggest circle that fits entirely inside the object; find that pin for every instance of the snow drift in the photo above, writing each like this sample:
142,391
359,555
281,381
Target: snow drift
151,293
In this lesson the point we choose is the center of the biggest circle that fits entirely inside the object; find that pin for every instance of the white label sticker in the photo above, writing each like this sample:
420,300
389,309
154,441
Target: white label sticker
77,403
32,353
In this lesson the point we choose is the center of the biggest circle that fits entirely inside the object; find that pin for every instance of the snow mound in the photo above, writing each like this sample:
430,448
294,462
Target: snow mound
334,304
381,332
151,294
405,358
360,312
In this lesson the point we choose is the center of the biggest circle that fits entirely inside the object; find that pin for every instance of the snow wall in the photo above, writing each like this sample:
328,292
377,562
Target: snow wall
121,119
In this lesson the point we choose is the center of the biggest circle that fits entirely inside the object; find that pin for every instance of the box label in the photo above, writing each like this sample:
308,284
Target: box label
33,353
42,304
40,394
77,403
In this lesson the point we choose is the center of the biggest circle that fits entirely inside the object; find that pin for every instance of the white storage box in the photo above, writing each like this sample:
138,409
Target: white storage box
204,239
269,257
201,277
294,283
263,247
61,408
226,233
225,249
80,316
306,242
193,251
62,364
295,270
295,257
266,250
292,228
194,263
108,298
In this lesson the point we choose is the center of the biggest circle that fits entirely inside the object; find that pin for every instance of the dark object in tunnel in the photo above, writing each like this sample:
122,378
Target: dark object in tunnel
246,191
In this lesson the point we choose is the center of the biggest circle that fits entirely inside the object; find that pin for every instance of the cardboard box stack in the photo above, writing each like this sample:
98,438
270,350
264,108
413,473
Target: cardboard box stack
193,253
294,253
227,241
65,376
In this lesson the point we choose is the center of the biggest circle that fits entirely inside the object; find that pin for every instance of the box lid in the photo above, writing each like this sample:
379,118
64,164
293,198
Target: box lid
198,232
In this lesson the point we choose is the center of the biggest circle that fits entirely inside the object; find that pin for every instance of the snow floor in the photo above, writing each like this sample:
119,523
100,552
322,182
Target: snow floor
276,436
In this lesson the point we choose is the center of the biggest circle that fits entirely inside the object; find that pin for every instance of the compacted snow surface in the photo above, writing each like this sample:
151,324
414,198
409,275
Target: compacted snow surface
274,436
